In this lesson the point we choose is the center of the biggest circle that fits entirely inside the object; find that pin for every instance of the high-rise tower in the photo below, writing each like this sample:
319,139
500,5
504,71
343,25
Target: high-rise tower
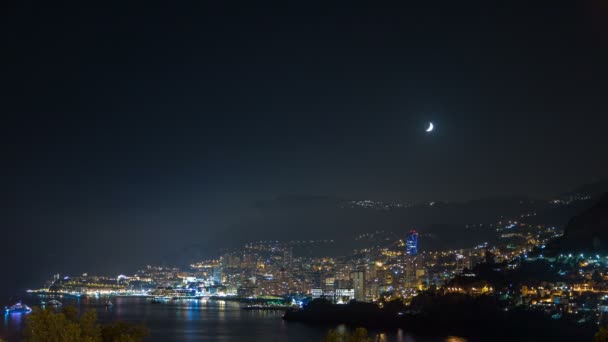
411,243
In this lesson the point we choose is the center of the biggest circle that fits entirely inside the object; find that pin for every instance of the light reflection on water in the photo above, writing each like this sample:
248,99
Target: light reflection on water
204,320
455,339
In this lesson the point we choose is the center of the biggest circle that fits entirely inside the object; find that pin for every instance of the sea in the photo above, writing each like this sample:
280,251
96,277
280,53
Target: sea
201,320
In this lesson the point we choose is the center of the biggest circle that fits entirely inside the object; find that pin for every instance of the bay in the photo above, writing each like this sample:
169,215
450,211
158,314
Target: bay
199,320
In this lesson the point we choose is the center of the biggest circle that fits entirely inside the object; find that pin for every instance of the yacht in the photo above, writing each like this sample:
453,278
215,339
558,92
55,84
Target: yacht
17,308
156,300
52,302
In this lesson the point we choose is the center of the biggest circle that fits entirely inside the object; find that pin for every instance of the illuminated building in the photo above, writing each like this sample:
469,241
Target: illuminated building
359,285
410,271
337,296
461,263
411,244
217,275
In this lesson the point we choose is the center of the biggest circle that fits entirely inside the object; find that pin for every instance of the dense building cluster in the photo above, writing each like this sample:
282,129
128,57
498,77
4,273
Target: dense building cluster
385,269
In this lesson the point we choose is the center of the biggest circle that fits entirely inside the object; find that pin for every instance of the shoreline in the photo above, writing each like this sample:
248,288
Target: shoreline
520,326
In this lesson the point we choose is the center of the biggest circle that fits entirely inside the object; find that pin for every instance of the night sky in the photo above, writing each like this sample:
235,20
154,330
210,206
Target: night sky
129,131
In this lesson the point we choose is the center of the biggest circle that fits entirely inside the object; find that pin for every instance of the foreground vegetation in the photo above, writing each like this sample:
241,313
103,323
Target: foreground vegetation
359,335
66,326
601,335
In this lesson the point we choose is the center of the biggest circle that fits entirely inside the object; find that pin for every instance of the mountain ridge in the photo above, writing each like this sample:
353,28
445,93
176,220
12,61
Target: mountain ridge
455,224
586,232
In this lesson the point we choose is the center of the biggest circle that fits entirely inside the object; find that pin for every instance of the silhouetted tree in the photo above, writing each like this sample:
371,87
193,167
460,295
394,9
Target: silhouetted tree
601,335
334,336
123,332
66,326
46,326
70,312
394,306
89,329
359,335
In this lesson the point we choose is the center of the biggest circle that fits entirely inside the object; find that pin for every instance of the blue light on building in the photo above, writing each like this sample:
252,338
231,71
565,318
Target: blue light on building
411,243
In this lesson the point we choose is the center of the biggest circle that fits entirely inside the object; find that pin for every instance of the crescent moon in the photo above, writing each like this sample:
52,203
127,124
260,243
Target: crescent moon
431,127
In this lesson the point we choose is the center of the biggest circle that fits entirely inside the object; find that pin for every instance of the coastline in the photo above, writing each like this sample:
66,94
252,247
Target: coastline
494,326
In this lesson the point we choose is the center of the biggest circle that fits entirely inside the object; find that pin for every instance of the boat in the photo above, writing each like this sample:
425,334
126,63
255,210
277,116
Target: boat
157,300
17,308
53,302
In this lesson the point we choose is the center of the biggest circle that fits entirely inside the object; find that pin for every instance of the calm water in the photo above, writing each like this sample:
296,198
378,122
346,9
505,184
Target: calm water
204,320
